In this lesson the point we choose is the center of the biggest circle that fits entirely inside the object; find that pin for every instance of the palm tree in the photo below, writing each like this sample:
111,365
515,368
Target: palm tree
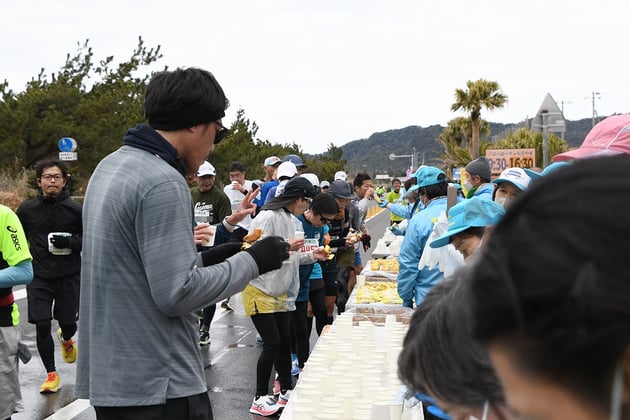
454,137
479,94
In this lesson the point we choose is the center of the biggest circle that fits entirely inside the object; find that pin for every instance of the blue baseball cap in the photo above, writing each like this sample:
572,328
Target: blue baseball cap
428,175
473,212
295,159
549,169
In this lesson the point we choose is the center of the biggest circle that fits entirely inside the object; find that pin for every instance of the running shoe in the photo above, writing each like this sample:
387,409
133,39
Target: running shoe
265,405
68,348
283,398
204,338
52,384
295,367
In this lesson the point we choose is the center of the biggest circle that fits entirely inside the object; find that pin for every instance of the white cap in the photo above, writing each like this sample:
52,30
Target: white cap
312,177
286,169
324,184
516,176
206,169
340,175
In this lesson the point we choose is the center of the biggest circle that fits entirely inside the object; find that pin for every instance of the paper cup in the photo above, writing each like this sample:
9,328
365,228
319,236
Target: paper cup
300,413
58,251
299,234
213,232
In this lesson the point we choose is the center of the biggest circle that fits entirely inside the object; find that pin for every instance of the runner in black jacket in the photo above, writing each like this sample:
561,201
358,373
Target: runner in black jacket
53,227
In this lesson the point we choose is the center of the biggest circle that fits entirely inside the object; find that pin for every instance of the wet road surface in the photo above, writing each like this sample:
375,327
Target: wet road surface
230,364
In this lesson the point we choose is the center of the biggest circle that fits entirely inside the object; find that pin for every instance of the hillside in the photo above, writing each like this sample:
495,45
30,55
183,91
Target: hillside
372,154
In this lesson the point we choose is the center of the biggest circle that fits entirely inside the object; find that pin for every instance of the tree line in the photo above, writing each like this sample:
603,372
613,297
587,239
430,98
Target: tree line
95,102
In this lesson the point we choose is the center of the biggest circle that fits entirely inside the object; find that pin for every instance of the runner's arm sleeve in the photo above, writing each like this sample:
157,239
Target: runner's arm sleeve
21,273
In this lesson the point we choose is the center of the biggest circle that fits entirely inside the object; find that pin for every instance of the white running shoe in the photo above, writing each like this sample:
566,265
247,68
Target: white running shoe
265,405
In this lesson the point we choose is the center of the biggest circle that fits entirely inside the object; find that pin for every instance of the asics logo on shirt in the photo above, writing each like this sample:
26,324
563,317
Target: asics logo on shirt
14,238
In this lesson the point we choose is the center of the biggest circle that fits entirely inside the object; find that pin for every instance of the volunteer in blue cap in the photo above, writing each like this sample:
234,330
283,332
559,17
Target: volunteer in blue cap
467,224
413,284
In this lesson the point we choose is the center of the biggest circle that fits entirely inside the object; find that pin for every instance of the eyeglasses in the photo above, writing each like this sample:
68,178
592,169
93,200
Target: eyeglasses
323,219
223,133
48,177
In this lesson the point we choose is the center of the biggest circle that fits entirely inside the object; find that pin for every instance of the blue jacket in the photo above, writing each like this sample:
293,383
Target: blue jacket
406,211
485,191
414,283
261,198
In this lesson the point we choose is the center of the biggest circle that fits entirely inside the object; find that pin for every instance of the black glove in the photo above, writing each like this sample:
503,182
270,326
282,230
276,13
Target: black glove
60,241
269,253
218,254
365,239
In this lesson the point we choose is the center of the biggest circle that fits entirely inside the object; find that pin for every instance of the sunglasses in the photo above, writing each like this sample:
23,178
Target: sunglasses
324,220
223,133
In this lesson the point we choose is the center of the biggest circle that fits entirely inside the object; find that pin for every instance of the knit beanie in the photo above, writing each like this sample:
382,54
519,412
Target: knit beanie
481,167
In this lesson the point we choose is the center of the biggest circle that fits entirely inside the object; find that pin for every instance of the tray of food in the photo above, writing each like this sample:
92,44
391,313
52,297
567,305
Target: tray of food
378,314
379,293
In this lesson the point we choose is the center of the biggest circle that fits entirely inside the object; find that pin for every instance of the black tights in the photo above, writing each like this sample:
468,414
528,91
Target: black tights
276,351
318,306
299,336
45,343
208,314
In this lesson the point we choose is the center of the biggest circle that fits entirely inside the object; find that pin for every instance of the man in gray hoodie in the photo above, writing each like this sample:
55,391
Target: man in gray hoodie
142,278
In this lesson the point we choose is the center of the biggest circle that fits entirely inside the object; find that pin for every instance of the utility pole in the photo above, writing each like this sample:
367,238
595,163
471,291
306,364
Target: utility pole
593,94
545,152
413,159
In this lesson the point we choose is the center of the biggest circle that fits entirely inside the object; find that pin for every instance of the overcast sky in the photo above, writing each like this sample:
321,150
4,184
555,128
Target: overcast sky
332,71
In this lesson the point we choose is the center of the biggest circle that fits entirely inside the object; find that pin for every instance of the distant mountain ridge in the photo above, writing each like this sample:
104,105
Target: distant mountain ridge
371,155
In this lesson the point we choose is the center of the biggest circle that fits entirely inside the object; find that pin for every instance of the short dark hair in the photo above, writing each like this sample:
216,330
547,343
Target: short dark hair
324,204
183,98
472,231
410,182
552,284
358,180
439,354
49,163
434,190
236,167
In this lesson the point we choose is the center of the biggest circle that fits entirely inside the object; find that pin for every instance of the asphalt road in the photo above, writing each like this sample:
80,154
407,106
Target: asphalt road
230,363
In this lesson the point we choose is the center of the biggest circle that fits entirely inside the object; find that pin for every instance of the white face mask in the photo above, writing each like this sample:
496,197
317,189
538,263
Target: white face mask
616,397
468,185
504,201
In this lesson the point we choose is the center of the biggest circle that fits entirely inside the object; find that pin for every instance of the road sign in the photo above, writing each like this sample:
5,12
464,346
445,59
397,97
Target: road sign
67,144
501,159
67,155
